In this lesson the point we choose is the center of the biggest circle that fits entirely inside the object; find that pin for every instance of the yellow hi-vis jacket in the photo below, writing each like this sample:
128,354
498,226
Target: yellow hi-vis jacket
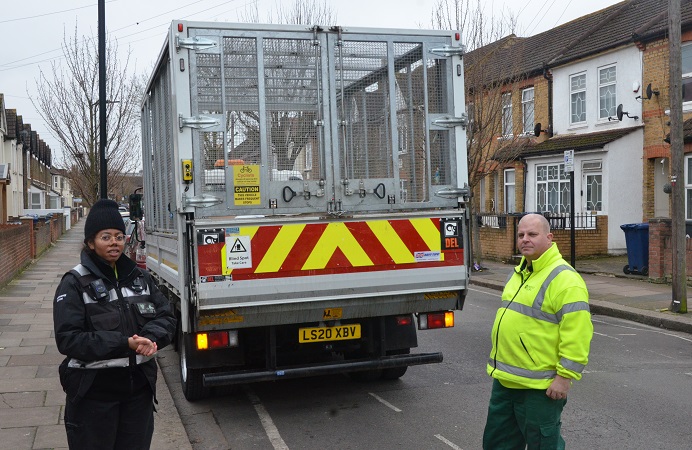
543,327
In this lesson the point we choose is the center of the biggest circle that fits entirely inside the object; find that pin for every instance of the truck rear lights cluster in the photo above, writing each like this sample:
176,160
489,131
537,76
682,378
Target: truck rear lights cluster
217,339
429,321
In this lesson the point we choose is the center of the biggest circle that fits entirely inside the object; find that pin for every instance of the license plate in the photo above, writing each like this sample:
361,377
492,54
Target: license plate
322,334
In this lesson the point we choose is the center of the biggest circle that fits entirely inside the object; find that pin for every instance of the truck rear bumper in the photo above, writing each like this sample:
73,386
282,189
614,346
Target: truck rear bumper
386,362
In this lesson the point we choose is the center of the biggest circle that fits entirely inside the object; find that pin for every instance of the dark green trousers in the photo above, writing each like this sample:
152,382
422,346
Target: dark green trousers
522,418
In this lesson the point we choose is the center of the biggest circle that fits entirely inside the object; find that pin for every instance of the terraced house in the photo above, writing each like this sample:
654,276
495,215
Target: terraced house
596,87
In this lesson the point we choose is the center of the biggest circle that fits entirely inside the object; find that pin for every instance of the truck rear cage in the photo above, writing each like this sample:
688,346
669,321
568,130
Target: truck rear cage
345,122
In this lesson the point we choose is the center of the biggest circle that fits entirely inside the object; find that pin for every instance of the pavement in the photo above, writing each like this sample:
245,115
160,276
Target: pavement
32,400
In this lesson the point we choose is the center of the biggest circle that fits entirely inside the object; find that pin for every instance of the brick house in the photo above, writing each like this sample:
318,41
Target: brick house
584,87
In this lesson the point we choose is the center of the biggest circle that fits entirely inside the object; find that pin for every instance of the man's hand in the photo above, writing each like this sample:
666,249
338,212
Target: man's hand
558,388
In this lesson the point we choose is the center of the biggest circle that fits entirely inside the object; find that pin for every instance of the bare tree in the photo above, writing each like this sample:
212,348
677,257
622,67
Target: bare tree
67,100
300,12
492,140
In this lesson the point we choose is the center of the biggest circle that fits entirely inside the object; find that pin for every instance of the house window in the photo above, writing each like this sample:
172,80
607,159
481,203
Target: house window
577,90
509,191
507,114
607,98
35,200
593,184
496,192
483,196
527,109
687,72
552,188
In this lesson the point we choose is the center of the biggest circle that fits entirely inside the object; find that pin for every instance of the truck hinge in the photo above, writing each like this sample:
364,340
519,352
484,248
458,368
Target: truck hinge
194,43
451,122
448,51
197,122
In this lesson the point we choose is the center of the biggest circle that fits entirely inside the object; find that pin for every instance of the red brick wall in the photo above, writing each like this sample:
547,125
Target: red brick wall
43,235
15,250
661,251
499,243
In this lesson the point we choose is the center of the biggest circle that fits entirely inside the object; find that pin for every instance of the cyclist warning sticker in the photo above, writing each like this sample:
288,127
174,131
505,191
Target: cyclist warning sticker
246,185
238,254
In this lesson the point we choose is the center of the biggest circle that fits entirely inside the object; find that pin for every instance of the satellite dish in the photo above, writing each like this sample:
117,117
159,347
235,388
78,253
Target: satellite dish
619,112
537,129
650,92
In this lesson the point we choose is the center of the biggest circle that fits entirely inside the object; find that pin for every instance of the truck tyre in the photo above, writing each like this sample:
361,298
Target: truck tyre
395,373
190,379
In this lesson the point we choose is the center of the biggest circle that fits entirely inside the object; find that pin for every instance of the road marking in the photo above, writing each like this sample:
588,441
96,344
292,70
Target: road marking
448,442
605,335
492,292
266,420
384,402
642,329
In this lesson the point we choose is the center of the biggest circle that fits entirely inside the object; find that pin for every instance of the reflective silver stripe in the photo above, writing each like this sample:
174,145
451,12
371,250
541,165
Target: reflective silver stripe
571,365
525,373
80,269
573,307
530,312
538,301
106,363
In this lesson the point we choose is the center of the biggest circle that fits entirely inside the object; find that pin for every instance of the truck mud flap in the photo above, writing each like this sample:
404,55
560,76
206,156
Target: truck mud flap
222,379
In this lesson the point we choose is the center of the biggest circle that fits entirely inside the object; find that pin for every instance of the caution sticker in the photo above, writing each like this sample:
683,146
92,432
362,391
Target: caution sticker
246,185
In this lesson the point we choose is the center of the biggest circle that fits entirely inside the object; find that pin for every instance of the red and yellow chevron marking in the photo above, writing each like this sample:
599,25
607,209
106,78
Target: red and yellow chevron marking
341,247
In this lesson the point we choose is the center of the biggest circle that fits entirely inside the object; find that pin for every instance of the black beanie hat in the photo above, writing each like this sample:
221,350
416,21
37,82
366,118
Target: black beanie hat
104,214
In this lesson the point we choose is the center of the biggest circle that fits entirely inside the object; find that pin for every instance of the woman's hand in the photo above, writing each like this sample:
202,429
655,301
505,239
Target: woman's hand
141,345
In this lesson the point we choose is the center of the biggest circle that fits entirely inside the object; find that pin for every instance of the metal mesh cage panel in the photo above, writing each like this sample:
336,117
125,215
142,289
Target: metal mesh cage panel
241,101
291,70
438,103
160,154
362,87
413,167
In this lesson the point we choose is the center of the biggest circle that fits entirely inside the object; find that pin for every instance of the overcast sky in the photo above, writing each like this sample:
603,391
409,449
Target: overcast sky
33,30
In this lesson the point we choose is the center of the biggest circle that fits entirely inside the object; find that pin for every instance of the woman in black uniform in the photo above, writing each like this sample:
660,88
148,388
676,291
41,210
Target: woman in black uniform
110,319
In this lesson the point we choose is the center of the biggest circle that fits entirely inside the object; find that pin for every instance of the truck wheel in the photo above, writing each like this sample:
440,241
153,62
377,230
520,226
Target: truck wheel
190,379
395,373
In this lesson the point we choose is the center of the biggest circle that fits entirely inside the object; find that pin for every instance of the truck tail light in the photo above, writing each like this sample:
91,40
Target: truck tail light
430,321
403,320
217,339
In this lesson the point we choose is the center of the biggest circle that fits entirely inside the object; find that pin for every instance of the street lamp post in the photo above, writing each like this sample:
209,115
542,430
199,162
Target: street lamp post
102,98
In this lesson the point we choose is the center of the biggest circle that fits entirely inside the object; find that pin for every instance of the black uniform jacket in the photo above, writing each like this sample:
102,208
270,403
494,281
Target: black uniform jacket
92,330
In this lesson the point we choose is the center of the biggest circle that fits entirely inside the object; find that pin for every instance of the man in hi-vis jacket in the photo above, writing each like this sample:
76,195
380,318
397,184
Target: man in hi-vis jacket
540,343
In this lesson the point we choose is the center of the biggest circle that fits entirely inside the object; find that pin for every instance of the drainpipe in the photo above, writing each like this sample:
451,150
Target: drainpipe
549,76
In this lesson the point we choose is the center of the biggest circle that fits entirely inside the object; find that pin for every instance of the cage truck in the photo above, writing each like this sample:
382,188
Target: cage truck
305,193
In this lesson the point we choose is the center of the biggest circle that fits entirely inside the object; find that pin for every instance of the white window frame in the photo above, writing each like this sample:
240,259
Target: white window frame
607,92
496,192
557,181
592,168
35,200
527,110
686,51
507,123
688,187
577,88
510,190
